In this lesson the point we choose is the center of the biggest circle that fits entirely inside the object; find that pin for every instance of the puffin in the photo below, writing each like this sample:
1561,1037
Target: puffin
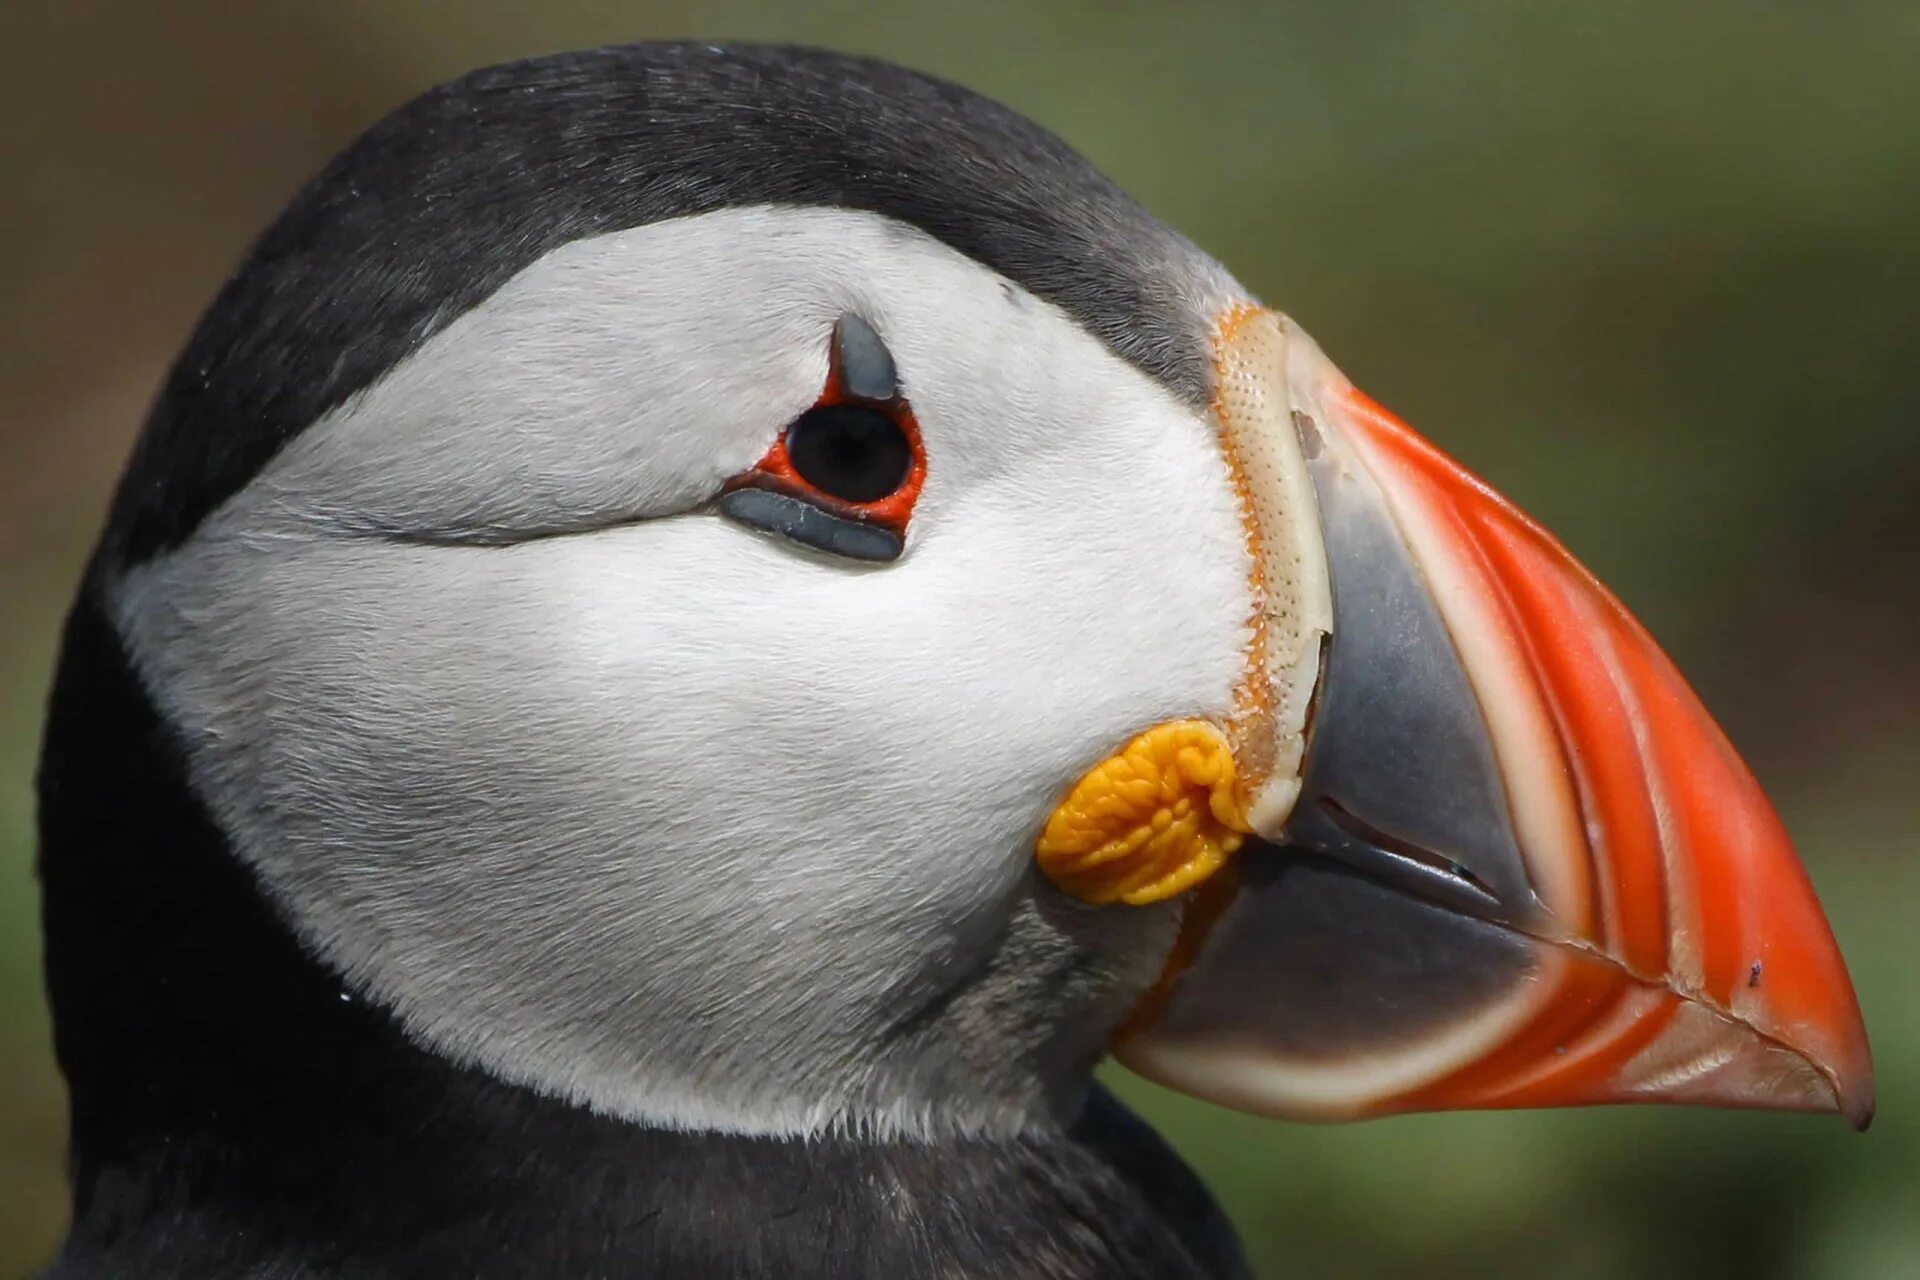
700,632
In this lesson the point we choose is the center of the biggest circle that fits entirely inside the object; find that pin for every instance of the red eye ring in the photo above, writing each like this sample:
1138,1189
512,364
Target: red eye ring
853,340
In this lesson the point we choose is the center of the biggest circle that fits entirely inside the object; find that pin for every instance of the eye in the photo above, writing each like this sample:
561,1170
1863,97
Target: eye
849,452
844,475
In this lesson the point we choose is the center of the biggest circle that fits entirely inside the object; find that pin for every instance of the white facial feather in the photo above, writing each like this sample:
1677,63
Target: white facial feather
642,808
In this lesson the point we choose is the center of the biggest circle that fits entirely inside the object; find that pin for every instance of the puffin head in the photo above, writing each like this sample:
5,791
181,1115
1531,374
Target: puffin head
752,590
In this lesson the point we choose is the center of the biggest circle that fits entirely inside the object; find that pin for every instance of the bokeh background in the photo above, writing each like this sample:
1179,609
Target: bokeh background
1652,268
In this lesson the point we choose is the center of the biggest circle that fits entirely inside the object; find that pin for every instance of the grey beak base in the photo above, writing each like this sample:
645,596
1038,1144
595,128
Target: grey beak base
1400,781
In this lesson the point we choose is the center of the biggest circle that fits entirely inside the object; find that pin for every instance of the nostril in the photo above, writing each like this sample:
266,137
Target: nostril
1311,445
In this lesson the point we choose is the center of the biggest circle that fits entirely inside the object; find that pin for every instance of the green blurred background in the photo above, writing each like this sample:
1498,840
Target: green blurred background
1652,268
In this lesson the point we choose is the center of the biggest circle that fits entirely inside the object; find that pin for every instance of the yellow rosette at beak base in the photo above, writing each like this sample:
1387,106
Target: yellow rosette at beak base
1150,822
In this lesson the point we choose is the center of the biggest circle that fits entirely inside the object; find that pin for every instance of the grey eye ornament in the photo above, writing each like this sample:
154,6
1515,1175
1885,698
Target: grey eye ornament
844,475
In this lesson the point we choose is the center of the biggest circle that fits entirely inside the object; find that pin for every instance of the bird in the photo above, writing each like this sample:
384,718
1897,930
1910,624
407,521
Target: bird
701,631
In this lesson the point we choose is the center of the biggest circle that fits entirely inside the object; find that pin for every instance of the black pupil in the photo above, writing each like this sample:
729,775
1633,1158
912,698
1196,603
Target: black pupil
850,453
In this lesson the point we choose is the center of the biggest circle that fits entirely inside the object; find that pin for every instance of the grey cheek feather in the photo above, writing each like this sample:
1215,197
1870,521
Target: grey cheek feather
659,816
791,518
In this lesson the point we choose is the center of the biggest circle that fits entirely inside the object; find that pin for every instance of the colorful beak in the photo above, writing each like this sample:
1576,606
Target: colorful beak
1504,858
